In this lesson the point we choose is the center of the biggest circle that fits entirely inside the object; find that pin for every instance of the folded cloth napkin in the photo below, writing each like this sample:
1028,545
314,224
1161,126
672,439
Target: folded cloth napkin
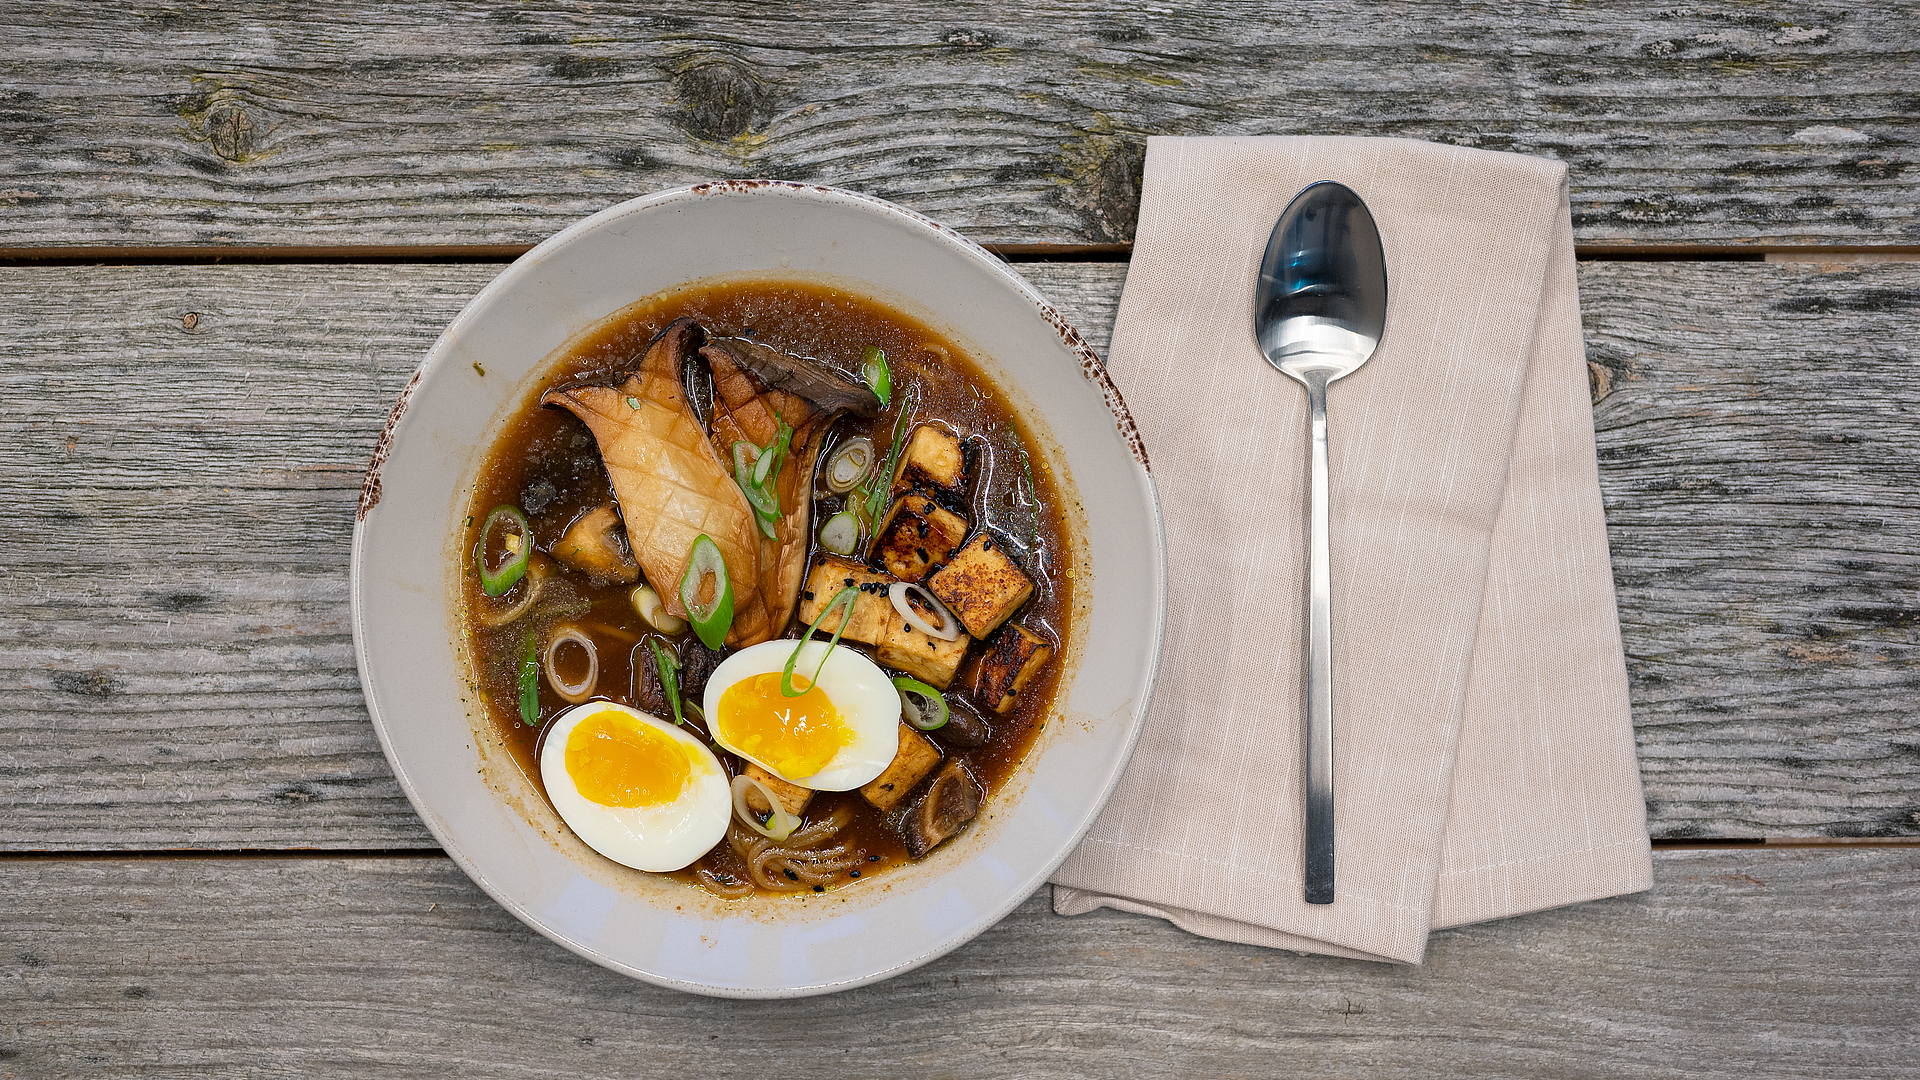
1483,753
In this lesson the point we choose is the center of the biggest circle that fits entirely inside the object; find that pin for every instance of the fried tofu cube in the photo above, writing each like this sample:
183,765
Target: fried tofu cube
793,798
1009,661
981,585
871,609
916,535
911,763
933,460
926,658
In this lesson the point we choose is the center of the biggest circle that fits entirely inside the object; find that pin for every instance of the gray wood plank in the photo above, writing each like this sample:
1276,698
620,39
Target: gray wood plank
1759,963
429,123
176,668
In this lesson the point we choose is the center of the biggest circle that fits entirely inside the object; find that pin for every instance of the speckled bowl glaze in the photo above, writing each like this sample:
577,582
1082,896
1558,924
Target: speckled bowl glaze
490,817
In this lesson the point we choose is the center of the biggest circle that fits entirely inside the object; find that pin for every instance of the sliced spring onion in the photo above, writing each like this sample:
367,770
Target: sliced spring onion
871,499
873,368
849,464
845,596
650,607
518,543
573,692
711,620
764,502
841,533
921,705
669,671
779,824
530,683
536,579
906,596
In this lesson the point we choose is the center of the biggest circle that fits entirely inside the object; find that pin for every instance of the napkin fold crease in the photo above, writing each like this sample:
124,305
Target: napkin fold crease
1484,755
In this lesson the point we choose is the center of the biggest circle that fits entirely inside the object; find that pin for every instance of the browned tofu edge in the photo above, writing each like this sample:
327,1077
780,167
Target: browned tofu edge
793,798
916,535
911,763
932,458
871,609
1008,662
928,659
981,585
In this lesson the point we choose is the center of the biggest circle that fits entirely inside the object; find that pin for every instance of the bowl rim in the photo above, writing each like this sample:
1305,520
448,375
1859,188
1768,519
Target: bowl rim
1091,367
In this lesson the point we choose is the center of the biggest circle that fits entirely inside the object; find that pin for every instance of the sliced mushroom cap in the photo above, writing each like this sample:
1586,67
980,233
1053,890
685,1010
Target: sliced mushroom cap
596,544
832,391
948,803
964,728
696,665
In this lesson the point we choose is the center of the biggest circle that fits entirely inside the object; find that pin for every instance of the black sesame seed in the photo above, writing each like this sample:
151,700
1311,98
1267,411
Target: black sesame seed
819,888
791,876
853,873
986,545
875,858
922,552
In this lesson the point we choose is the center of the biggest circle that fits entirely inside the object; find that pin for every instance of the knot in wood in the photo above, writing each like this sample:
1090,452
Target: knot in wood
721,100
230,131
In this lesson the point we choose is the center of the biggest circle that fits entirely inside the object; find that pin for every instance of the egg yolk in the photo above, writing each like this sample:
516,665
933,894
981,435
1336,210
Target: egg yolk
794,736
617,761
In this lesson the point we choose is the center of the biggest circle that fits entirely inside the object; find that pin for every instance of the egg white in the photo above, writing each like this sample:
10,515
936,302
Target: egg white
657,838
862,694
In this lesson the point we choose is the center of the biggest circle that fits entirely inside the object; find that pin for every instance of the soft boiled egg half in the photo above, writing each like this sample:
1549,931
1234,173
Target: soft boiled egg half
635,788
840,733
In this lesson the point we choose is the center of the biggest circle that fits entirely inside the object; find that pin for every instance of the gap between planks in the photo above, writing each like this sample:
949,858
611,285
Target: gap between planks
344,854
502,253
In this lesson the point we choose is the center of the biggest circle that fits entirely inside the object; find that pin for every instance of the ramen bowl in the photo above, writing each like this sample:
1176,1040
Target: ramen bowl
488,814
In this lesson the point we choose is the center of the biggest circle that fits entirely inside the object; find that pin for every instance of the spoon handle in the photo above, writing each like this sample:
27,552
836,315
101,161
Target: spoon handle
1319,771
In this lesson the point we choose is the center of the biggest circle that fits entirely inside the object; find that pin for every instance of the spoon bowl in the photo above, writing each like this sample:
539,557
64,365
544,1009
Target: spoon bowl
1322,299
1318,314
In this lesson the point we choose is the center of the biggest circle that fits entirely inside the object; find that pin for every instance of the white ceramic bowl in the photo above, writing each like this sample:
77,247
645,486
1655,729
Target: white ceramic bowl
490,818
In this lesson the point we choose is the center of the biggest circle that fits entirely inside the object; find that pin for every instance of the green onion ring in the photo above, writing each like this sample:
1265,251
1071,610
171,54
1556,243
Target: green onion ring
497,582
848,594
668,669
934,717
873,368
530,683
712,620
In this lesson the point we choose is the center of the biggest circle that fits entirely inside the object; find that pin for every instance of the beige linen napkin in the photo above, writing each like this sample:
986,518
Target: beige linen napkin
1484,759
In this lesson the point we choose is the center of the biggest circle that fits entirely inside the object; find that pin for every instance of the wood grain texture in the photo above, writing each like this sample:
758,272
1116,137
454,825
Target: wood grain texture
1737,965
427,123
176,667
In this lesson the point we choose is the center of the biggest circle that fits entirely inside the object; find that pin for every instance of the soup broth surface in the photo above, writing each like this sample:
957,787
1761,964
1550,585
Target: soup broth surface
547,463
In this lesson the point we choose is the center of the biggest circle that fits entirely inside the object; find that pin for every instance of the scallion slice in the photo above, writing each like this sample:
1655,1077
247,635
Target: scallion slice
873,368
779,824
841,533
669,671
846,596
495,581
711,620
530,682
871,499
921,705
849,464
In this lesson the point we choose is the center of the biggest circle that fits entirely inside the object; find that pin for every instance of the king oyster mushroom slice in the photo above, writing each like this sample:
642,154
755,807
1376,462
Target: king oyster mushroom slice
671,485
755,389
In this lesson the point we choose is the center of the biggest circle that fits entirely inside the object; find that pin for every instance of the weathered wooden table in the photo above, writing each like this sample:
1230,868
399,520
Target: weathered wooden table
230,233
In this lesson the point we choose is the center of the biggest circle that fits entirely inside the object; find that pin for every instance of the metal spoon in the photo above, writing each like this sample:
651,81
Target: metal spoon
1318,314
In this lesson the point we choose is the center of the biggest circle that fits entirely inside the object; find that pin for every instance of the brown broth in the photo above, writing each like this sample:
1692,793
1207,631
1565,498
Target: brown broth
547,463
